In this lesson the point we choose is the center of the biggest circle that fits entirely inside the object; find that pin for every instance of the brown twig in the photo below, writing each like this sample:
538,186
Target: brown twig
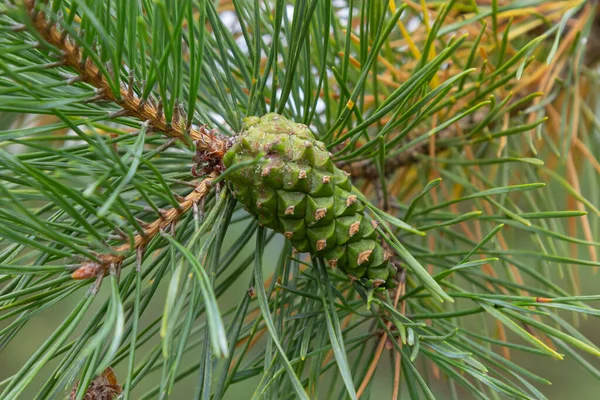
132,105
397,355
91,269
382,341
367,169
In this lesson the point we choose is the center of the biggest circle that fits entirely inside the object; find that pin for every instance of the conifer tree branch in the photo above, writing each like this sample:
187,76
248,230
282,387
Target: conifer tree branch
91,269
367,169
132,105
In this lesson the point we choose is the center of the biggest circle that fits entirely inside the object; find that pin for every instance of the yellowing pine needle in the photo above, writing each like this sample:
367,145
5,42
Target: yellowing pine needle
411,45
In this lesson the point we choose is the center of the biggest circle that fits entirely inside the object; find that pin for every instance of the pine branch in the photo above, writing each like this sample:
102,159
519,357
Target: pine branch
168,218
367,169
144,110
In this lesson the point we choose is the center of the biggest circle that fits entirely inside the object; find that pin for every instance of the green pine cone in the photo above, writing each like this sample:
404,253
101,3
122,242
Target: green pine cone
300,193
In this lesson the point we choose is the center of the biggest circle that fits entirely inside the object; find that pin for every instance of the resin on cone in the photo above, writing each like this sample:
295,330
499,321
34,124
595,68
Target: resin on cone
300,193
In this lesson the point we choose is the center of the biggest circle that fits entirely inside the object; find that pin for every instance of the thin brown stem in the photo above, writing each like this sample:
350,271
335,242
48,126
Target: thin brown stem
168,218
382,342
397,355
367,169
